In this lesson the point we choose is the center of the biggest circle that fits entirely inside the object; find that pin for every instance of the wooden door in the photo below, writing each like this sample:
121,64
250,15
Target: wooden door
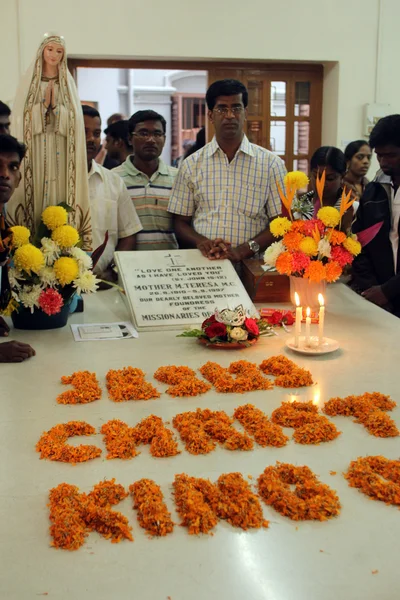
284,110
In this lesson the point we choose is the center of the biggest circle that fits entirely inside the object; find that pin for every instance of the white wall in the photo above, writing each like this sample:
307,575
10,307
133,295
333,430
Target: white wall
343,32
105,94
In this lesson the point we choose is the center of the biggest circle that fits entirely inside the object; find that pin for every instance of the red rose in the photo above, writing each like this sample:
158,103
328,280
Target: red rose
288,318
275,318
252,327
215,330
209,321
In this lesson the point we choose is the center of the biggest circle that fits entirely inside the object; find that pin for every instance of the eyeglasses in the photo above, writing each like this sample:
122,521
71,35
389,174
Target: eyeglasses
146,135
224,110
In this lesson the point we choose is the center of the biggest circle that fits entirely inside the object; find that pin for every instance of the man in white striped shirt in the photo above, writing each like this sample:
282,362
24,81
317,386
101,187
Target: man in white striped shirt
226,193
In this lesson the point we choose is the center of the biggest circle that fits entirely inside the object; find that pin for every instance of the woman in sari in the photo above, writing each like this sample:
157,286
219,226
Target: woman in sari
47,117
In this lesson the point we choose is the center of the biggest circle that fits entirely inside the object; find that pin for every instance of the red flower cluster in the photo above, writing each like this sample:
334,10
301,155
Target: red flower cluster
341,256
213,328
280,316
50,301
251,327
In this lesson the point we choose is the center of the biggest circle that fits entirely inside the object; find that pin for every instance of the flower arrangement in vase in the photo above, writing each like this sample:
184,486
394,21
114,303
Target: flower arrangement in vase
48,271
313,251
230,329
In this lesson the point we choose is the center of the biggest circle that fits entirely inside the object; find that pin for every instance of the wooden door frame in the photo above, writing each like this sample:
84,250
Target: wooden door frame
188,65
315,70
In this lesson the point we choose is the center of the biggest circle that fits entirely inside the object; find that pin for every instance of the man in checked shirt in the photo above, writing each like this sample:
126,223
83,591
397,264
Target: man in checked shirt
226,193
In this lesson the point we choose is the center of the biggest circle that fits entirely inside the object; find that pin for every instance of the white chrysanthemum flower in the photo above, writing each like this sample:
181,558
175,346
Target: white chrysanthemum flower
84,260
324,248
29,296
50,250
272,252
13,273
86,282
48,277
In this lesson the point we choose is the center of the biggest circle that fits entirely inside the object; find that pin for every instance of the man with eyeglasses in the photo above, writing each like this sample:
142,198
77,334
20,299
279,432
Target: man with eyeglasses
110,205
227,192
149,180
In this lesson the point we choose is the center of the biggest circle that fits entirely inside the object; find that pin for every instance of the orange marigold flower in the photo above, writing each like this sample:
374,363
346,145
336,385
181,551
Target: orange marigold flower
292,240
52,444
284,263
238,504
377,477
315,271
311,499
73,515
256,423
332,271
153,514
195,499
336,237
298,226
86,390
368,410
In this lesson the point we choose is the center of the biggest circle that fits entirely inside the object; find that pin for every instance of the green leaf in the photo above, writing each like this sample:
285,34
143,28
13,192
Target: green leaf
192,333
67,207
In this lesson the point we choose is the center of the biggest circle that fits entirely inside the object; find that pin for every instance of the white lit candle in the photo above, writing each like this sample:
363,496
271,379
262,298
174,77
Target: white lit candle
299,316
321,319
308,325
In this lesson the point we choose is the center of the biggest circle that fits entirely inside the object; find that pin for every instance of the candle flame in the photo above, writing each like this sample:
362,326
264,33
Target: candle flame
321,300
308,311
297,299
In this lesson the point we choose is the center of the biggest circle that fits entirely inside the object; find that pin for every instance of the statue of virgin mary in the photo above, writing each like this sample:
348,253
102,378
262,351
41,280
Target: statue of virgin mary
47,118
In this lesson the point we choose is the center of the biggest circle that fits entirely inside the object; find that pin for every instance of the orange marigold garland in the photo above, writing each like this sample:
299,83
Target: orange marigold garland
260,427
194,499
74,515
129,384
120,439
311,500
369,409
153,515
53,447
288,374
310,427
238,504
183,381
377,477
86,390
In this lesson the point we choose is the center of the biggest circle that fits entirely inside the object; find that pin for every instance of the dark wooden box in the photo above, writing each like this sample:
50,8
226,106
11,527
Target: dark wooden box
264,286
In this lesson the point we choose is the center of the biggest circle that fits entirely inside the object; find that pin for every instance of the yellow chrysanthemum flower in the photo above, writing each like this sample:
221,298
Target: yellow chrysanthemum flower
29,258
352,245
280,226
329,215
65,236
296,180
66,269
309,246
21,235
54,216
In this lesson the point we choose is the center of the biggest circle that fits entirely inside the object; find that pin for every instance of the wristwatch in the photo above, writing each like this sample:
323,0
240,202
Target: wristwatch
254,246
